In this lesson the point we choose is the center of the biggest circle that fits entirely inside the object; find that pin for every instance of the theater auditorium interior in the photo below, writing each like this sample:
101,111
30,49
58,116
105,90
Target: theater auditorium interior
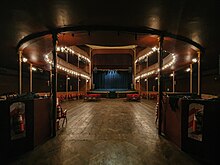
109,82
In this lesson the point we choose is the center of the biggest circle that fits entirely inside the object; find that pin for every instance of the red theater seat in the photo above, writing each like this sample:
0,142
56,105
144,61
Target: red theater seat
133,97
92,97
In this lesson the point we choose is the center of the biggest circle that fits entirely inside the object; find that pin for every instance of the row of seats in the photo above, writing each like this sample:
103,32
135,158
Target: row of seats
92,97
95,97
63,97
133,97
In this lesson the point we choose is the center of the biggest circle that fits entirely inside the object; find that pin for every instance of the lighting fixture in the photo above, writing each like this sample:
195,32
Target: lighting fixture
169,64
69,71
71,51
34,69
24,59
188,69
194,60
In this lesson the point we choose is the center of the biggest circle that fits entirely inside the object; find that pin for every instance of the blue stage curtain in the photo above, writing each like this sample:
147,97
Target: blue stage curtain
112,79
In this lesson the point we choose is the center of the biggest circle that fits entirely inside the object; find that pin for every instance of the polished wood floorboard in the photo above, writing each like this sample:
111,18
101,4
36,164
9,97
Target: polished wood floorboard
108,132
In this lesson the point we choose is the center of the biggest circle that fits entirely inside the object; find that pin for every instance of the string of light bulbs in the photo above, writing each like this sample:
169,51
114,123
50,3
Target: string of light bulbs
68,71
147,74
71,51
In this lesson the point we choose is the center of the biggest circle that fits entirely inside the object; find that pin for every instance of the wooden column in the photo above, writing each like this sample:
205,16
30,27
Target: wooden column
147,88
54,83
90,69
51,80
191,78
78,81
173,81
139,86
31,78
147,64
67,85
135,69
199,74
78,88
160,64
20,72
67,79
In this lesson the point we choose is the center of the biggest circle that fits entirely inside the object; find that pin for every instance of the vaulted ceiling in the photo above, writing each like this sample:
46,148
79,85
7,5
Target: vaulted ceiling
196,20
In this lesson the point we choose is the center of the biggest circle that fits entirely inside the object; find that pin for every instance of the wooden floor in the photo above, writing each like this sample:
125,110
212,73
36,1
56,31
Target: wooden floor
108,132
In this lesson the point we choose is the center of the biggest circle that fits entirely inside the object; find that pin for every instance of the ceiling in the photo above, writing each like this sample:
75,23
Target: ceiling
198,21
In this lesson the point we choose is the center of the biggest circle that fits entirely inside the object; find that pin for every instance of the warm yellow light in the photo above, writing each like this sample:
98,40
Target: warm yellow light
188,69
34,69
24,59
69,50
194,60
58,49
154,48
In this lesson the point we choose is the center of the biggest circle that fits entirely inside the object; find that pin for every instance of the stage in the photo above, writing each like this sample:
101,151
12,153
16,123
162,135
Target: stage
112,93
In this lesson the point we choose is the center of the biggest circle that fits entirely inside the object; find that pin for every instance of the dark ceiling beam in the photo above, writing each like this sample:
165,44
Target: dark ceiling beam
91,28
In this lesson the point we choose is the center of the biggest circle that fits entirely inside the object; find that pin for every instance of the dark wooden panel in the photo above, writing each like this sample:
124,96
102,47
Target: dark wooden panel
42,125
112,60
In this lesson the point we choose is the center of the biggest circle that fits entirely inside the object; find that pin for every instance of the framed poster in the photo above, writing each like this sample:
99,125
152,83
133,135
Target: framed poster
17,120
195,121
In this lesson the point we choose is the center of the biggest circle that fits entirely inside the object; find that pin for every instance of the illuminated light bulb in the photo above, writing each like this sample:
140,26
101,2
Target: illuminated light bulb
171,75
188,69
62,49
58,49
154,48
34,69
194,60
24,59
